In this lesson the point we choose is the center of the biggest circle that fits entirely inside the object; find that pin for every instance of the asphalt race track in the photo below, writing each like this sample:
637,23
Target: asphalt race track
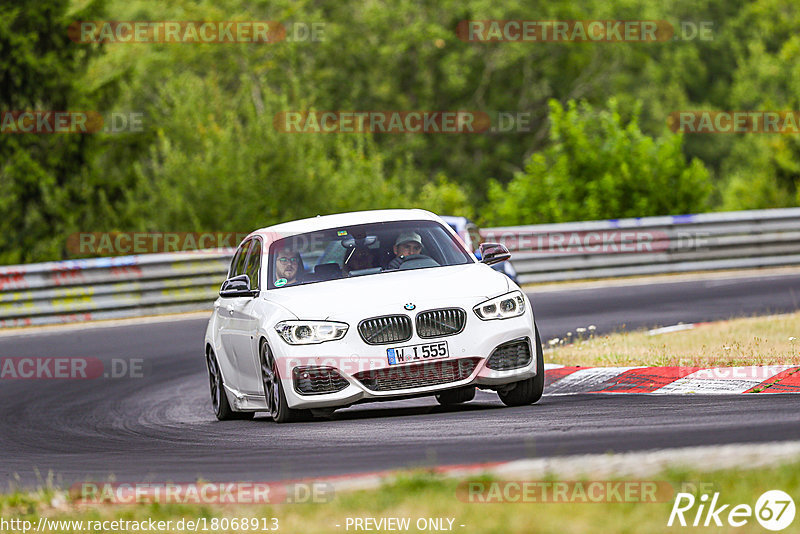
644,306
161,428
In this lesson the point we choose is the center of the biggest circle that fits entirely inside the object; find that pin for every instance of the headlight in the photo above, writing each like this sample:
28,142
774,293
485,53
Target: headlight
502,307
310,332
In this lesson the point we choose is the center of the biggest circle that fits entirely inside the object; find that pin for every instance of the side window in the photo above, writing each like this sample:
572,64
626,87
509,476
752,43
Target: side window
237,265
234,260
254,264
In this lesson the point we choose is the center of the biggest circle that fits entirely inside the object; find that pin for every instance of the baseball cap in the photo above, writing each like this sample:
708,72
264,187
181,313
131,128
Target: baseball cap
405,237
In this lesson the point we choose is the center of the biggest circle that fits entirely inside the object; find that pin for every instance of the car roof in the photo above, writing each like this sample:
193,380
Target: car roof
323,222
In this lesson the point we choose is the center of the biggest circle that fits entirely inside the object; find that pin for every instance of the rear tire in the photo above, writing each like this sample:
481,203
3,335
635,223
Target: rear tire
456,396
219,399
530,390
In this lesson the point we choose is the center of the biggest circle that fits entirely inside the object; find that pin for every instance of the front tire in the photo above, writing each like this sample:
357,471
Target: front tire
456,396
273,390
530,390
219,399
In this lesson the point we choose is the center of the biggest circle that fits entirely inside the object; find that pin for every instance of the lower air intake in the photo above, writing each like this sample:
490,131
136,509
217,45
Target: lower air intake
511,355
418,375
317,380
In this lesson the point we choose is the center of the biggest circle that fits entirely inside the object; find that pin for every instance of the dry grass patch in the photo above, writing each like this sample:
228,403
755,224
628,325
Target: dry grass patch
770,340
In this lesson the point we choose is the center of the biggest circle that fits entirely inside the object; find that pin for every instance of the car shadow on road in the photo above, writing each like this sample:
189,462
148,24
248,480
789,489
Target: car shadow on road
376,411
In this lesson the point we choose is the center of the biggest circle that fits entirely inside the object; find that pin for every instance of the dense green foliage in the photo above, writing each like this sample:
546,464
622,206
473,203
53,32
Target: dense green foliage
44,178
210,158
597,167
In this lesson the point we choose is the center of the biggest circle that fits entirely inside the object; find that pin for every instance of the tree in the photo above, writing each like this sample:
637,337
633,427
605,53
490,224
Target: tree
598,167
43,178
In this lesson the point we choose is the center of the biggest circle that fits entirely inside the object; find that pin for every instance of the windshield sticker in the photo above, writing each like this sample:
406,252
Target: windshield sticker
341,233
280,282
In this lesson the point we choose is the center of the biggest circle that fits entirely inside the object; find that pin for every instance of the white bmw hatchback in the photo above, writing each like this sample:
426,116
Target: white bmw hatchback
323,313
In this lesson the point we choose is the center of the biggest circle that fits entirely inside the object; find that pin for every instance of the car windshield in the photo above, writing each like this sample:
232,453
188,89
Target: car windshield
362,250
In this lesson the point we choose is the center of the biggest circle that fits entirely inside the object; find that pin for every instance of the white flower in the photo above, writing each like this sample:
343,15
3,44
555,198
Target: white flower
580,330
58,501
592,327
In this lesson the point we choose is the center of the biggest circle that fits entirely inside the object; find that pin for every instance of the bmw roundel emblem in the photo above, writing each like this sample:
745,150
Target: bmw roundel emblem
409,306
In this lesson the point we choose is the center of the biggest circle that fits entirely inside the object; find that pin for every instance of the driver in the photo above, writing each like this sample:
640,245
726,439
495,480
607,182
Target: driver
288,266
406,244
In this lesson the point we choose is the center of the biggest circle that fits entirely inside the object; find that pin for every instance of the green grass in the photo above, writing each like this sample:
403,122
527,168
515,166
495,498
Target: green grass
421,494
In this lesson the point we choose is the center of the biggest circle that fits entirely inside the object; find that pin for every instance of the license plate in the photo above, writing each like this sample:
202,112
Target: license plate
414,353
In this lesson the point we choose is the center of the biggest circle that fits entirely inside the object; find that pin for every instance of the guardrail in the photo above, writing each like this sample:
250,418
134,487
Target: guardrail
108,288
104,288
652,245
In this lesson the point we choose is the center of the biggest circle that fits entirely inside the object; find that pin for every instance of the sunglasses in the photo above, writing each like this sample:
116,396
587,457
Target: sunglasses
286,261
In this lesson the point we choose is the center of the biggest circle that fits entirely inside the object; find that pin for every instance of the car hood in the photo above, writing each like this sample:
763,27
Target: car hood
386,292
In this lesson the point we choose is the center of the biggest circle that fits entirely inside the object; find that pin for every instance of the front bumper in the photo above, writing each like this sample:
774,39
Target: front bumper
355,361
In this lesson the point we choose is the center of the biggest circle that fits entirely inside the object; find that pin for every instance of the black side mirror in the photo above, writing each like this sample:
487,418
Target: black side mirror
492,253
238,286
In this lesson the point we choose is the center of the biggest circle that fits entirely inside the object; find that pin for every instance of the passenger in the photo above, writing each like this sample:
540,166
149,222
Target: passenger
360,258
288,268
406,244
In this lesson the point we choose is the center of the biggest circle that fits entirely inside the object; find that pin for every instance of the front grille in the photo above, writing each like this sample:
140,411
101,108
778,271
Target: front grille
386,329
317,380
440,323
511,355
418,375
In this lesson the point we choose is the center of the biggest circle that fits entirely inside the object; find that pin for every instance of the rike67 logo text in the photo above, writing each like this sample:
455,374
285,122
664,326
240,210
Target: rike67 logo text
774,510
